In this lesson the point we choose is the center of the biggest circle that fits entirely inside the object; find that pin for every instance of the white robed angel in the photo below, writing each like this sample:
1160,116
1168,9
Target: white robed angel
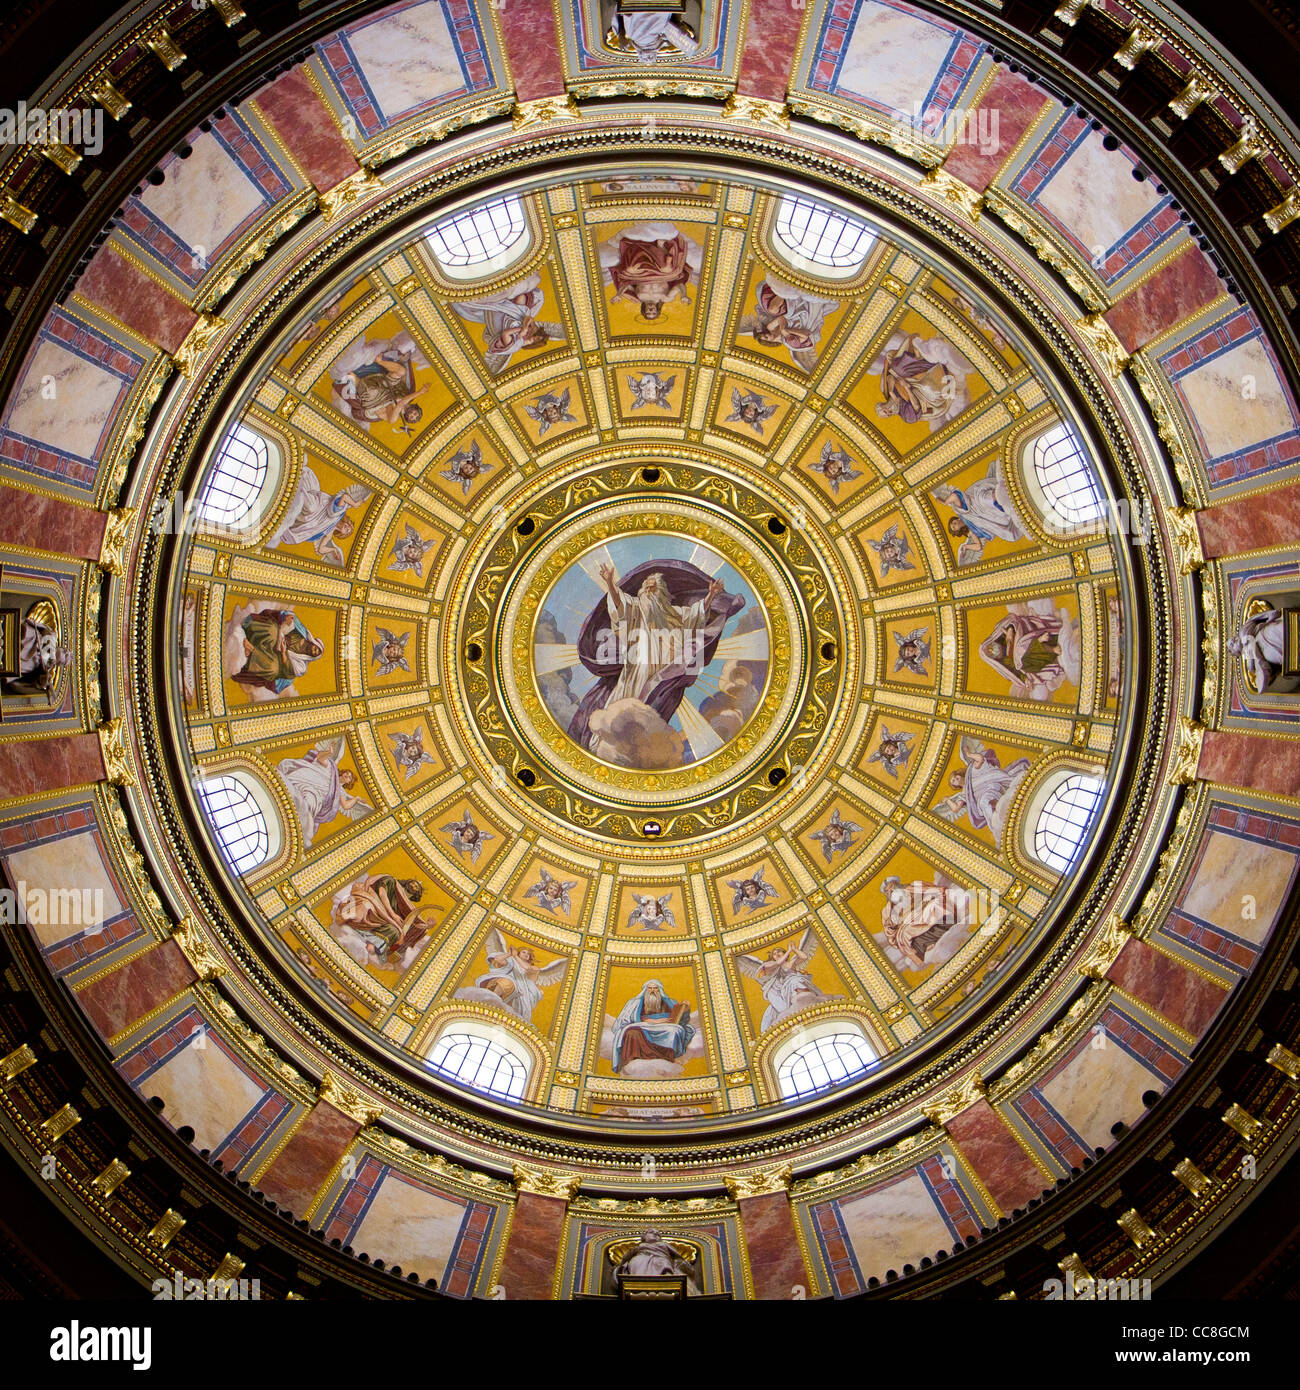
319,789
982,511
783,977
319,518
513,978
510,321
985,790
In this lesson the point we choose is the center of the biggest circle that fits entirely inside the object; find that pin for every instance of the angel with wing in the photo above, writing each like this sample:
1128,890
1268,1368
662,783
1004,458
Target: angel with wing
783,977
750,409
982,512
550,409
513,979
651,389
408,751
984,791
651,912
893,750
836,835
551,894
785,316
319,789
466,837
510,322
409,550
465,466
894,550
751,893
913,651
835,466
319,518
389,652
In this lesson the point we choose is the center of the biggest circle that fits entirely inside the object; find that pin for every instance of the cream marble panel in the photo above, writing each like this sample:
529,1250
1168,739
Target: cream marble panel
80,399
894,1226
410,1226
205,197
66,880
1229,418
1095,195
1231,870
407,58
1101,1086
893,56
204,1089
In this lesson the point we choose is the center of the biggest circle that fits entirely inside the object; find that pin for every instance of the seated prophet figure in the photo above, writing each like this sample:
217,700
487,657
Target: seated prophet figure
377,920
276,649
1260,642
1036,647
651,1025
41,655
651,264
654,1258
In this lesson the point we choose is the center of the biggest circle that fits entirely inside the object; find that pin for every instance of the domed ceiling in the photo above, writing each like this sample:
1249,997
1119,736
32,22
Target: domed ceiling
431,642
616,618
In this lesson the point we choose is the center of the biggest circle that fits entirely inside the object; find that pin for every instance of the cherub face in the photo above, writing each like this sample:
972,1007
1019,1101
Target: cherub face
347,778
393,651
834,466
344,526
957,527
466,468
890,748
834,833
749,412
469,834
909,651
751,889
553,889
551,412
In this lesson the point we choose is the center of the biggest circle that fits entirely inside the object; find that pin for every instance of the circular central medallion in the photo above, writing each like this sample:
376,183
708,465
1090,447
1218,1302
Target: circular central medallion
649,664
652,652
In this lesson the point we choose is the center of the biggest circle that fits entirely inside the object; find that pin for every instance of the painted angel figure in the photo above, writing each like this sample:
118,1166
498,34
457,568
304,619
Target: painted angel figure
409,550
913,651
374,380
319,517
408,752
464,467
984,791
1036,647
550,409
783,977
784,316
981,512
651,389
836,835
835,466
319,789
894,550
551,894
466,837
750,409
513,978
893,750
980,319
389,652
510,322
921,379
1260,642
651,912
651,264
751,893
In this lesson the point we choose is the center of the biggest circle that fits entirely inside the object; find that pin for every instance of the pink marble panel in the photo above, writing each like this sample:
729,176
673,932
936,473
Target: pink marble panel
533,1246
768,51
774,1255
1167,986
33,765
532,48
1250,523
1009,1175
303,122
114,284
306,1161
1015,103
119,999
60,527
1244,760
1175,292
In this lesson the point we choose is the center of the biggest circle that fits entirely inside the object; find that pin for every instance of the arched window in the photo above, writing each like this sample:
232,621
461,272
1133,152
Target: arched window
1064,819
822,236
236,479
237,821
481,1060
814,1062
480,237
1066,477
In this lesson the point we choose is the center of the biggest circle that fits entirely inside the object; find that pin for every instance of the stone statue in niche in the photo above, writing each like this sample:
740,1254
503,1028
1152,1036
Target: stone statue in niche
1268,644
33,654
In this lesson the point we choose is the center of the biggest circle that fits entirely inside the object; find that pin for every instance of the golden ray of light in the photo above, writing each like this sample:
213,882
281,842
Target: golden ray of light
703,736
549,657
744,646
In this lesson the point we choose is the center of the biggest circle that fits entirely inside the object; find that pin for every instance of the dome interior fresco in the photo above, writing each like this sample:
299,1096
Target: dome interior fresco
799,800
652,643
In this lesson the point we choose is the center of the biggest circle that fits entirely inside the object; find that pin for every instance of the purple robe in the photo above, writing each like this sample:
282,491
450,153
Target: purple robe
686,585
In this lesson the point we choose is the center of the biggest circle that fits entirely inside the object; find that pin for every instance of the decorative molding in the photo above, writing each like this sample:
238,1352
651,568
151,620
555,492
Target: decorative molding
545,111
15,213
1045,249
117,761
1135,1228
16,1062
165,1228
759,1182
1101,337
1187,753
955,193
112,548
207,329
757,111
1105,948
188,935
547,1182
1186,536
967,1092
164,47
344,1098
351,191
